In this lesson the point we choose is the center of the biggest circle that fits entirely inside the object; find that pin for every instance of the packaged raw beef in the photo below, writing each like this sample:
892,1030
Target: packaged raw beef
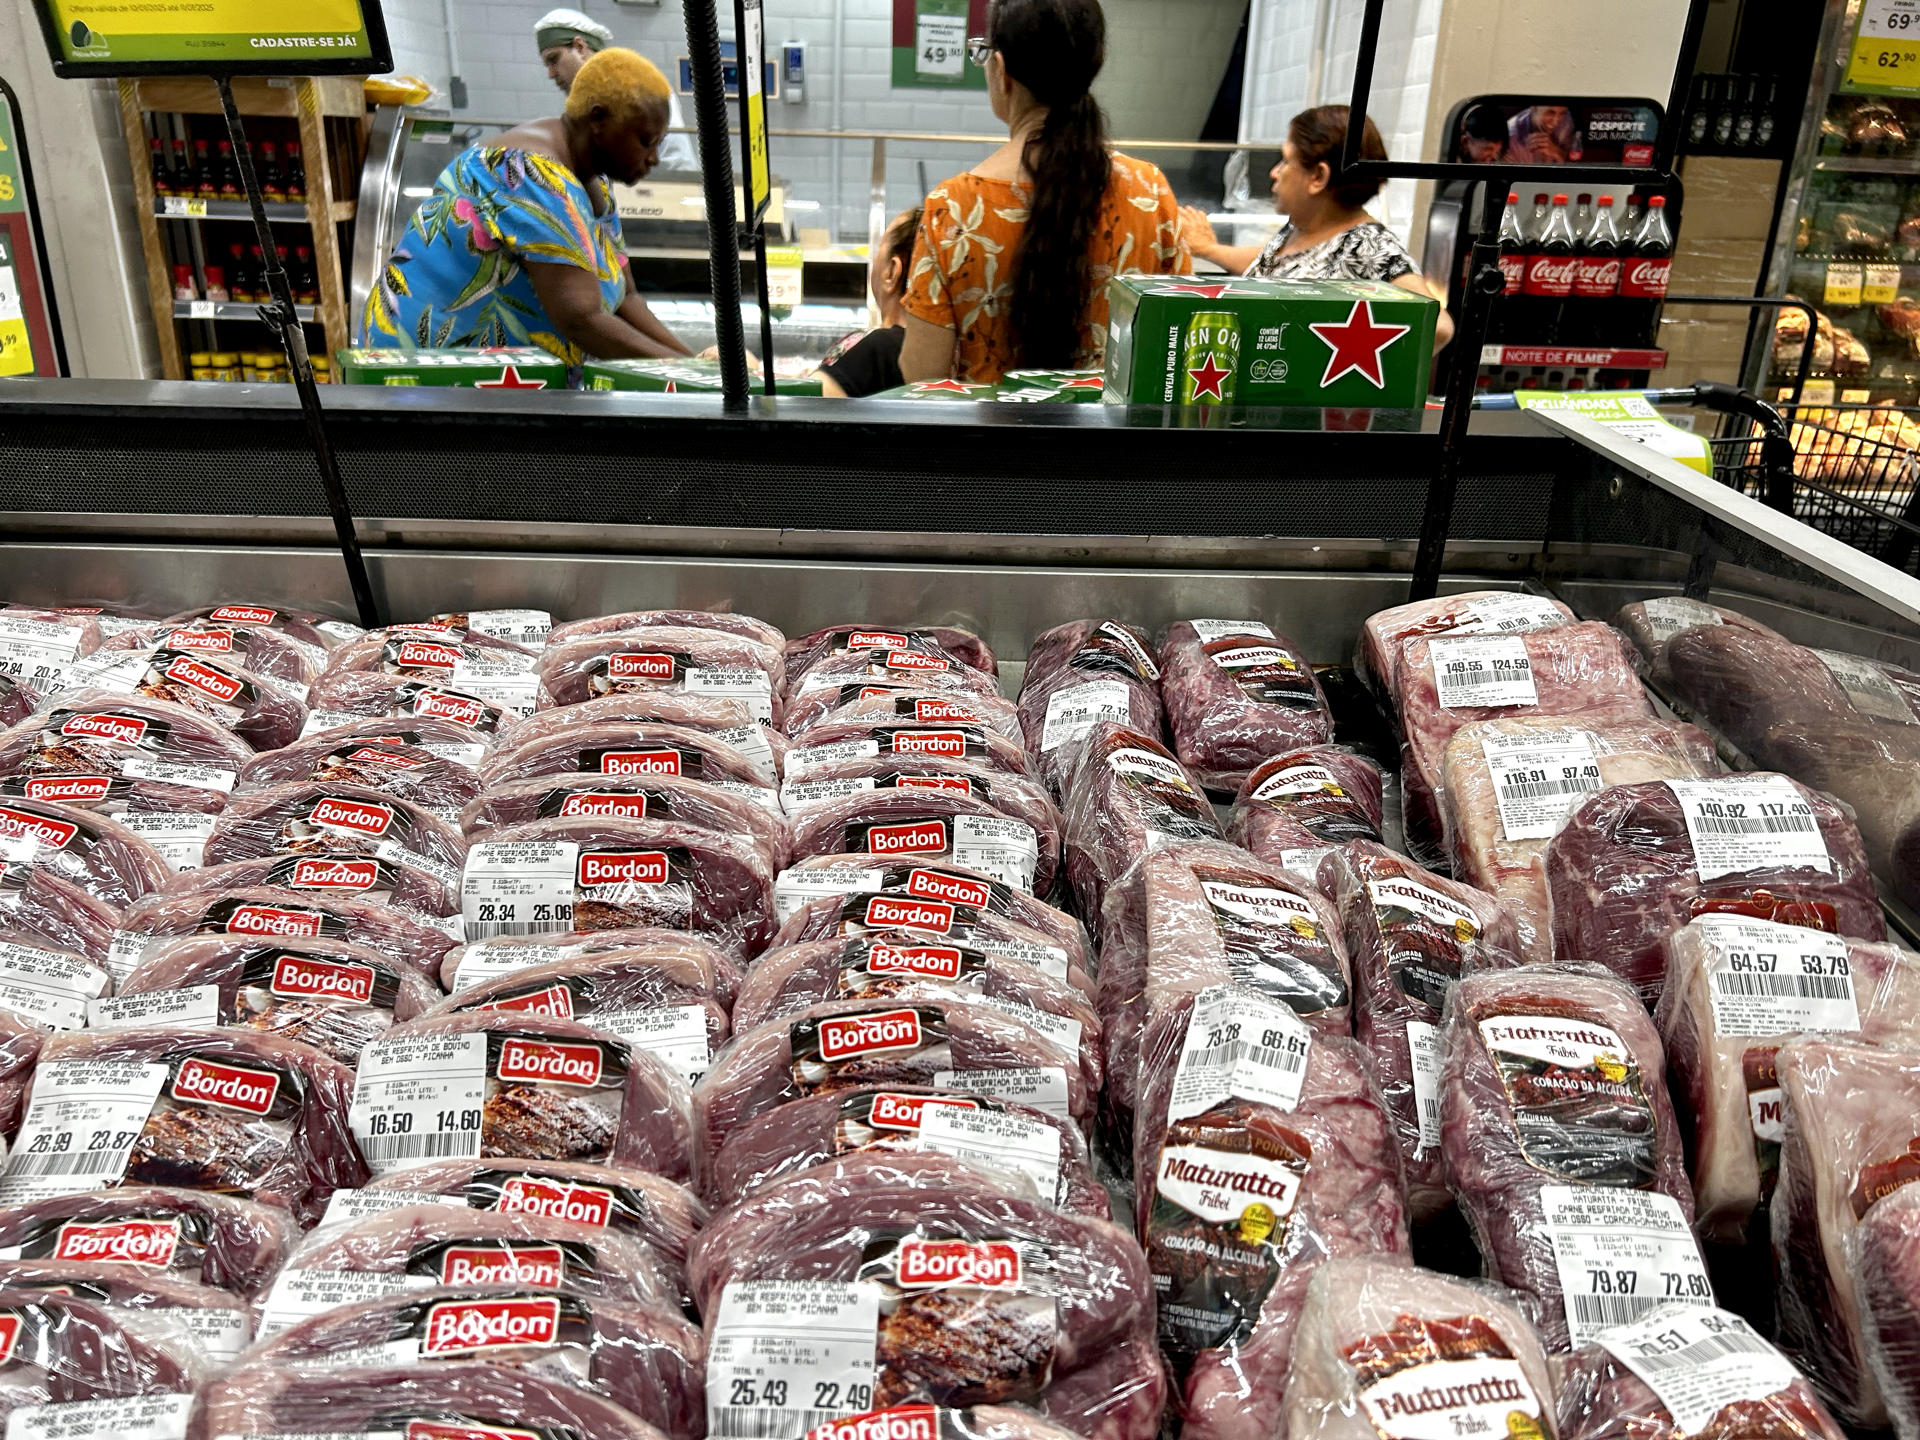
628,797
19,1050
112,618
927,668
394,761
17,701
346,697
1651,624
970,1294
1388,1352
96,854
47,989
831,743
804,653
39,648
1736,990
281,912
251,647
92,732
1296,805
527,1086
1019,845
457,1402
1237,693
947,1044
1885,1251
1636,861
1263,1151
263,712
902,916
608,874
875,701
485,961
629,749
307,818
729,719
1852,1138
1377,658
309,628
703,663
519,627
435,652
38,907
1128,796
1015,796
1450,682
1874,770
74,1369
217,1240
627,621
1511,784
1745,682
331,994
647,1359
1411,935
1001,1138
232,1111
174,819
218,1322
1081,674
1560,1145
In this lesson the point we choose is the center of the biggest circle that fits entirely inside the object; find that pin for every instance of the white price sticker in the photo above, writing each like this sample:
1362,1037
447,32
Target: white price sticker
751,741
1668,615
1768,979
1512,614
802,763
197,777
1008,850
996,1140
481,962
1072,712
37,652
1483,671
222,1334
787,1355
1212,630
521,627
1039,1087
1538,779
1868,687
806,794
347,1207
753,688
1699,1360
1423,1050
419,1100
803,885
1750,822
193,1007
138,1417
47,988
180,837
517,692
125,952
299,1294
81,1127
676,1035
1239,1045
518,887
940,45
1620,1253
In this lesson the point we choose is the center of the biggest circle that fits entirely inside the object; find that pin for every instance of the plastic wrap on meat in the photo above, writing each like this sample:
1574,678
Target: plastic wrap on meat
93,732
1015,796
627,797
45,649
1736,990
39,907
1851,1139
1624,870
19,1051
1570,669
627,748
1017,845
649,1360
1511,784
715,714
45,987
484,961
744,626
217,1322
395,763
835,742
1875,770
1128,796
306,818
1386,1350
1886,1256
217,1240
1237,693
557,1090
63,1349
1651,624
1554,1109
462,660
898,702
174,819
627,873
87,850
265,713
1263,1151
1069,1334
252,647
1744,682
1411,935
233,1111
17,701
1377,658
266,913
1306,801
331,994
1081,674
804,1135
950,1045
697,662
347,696
927,668
804,653
316,633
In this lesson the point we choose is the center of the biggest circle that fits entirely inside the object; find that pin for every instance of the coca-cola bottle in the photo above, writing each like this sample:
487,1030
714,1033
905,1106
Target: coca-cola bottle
229,173
1643,275
1596,277
162,172
1514,247
1549,278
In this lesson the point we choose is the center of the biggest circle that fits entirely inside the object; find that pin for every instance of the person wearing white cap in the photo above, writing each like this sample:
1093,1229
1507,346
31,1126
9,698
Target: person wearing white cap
567,38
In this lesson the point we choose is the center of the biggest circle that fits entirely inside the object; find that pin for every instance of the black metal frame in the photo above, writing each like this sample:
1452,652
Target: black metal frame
44,276
723,231
379,60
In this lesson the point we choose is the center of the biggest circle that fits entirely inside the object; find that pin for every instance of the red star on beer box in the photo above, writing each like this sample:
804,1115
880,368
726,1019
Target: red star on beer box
1356,343
510,380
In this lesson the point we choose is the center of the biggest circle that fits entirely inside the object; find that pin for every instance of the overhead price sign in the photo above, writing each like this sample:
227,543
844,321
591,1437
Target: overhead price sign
753,109
249,37
1885,56
930,44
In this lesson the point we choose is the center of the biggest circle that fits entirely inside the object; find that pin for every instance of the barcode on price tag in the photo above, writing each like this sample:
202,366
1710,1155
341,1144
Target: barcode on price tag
1699,1360
1867,686
80,1129
1072,712
1620,1253
518,887
1668,615
1423,1051
1482,671
1239,1045
1768,979
787,1355
419,1100
1538,778
1750,822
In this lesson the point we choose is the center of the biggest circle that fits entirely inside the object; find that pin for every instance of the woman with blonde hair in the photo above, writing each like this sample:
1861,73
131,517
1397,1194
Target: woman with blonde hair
520,242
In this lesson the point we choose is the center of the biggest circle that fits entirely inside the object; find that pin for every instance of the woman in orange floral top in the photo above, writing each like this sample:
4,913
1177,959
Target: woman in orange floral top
1011,266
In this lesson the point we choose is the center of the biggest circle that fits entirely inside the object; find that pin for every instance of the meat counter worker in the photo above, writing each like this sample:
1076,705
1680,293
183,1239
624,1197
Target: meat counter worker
520,243
567,40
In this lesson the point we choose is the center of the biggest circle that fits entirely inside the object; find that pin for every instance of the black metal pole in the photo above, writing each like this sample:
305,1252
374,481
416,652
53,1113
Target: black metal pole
766,308
716,164
284,321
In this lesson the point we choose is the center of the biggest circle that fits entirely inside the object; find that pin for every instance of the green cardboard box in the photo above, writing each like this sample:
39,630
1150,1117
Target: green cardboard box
680,377
530,368
939,390
1058,387
1194,341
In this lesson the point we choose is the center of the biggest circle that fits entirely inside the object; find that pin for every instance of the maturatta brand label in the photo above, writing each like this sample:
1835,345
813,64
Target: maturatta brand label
1444,1379
1578,1101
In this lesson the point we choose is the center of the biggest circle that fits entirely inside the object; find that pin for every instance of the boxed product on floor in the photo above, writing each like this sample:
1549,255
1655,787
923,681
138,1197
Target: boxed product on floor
527,368
680,376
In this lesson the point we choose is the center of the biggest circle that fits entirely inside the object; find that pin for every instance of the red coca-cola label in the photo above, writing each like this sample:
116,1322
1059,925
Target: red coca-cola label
623,867
273,920
551,1062
232,1087
334,875
1549,275
244,615
640,762
938,712
931,962
955,889
1596,277
445,705
901,1422
360,816
460,1327
973,1264
890,1111
51,833
640,665
1645,278
426,655
845,1036
604,802
916,660
121,729
301,977
918,837
878,640
209,639
534,1265
554,1000
151,1243
893,912
204,678
68,789
555,1200
953,784
1513,271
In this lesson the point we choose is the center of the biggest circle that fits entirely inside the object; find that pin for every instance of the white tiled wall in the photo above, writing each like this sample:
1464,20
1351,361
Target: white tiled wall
1165,61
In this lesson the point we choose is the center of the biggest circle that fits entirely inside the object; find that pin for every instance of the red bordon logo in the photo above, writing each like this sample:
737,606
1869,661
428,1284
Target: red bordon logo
204,678
271,920
299,977
901,1422
918,837
954,889
210,639
891,912
916,660
549,1062
930,742
456,1327
877,640
975,1264
426,655
844,1036
904,1112
69,789
125,1242
556,1000
622,867
640,665
463,1430
334,875
640,762
933,962
934,712
208,1082
244,615
121,729
604,802
956,784
10,1321
534,1265
389,755
53,834
455,709
359,816
555,1200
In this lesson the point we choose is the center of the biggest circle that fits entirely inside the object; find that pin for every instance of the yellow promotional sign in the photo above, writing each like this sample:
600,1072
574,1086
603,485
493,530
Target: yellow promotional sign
118,32
751,59
1885,58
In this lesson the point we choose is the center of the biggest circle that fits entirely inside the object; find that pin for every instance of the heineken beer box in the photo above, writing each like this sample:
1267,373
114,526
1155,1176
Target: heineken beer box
1059,387
940,390
687,376
1187,341
509,369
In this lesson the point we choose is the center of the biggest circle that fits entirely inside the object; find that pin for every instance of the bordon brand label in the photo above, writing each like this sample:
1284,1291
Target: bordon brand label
151,1243
626,804
465,1430
894,912
445,705
206,679
555,1000
244,615
274,920
361,817
10,1322
891,1111
931,962
551,1062
878,640
953,889
121,729
458,1327
555,1200
231,1087
534,1265
68,789
901,1422
971,1264
425,655
302,977
314,874
51,833
211,639
642,665
623,867
912,837
950,743
929,711
916,660
643,762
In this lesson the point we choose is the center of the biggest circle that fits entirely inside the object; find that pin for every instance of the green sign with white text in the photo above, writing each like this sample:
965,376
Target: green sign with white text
112,37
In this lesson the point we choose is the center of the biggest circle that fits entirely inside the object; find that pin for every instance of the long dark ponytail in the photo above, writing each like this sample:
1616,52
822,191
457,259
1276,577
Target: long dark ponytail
1055,48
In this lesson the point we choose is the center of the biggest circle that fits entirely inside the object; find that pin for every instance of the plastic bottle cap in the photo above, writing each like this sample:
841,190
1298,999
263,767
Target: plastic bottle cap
1559,199
1657,201
1541,198
1606,200
1512,199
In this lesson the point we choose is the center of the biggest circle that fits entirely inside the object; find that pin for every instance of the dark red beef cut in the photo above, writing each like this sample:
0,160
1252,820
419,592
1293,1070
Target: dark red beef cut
349,696
252,647
1653,624
218,1321
19,1050
819,752
886,701
702,663
263,712
1888,1246
1306,800
677,952
623,748
1128,796
804,653
314,633
92,732
17,701
1237,693
61,1349
217,1240
1015,796
39,907
745,626
1081,674
913,822
391,759
628,797
92,852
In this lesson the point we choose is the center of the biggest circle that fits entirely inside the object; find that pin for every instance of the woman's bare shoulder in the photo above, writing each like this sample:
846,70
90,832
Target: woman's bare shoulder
542,137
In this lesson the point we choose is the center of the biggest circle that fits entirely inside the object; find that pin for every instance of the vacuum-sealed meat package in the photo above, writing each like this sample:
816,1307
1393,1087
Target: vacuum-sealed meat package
40,648
265,713
1744,682
1852,1138
627,797
463,660
1511,784
331,994
40,908
899,702
1652,624
820,752
347,697
218,1323
729,719
703,663
1377,658
17,701
1411,935
627,621
1238,693
1128,796
1015,796
94,733
1885,1251
174,819
1561,1147
1736,990
485,961
1079,675
89,851
80,1370
217,1240
1017,847
969,649
1385,1350
252,647
952,1292
630,749
314,633
19,1051
925,667
46,988
233,1111
1263,1151
1299,804
428,766
1634,862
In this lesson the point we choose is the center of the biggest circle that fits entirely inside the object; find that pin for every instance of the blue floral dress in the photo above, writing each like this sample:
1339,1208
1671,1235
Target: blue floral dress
458,276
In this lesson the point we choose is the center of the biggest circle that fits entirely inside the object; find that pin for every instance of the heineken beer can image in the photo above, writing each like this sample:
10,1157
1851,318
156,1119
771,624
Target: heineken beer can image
1211,362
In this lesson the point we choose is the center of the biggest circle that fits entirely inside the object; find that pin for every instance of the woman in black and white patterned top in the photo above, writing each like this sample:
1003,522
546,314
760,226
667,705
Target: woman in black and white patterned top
1328,235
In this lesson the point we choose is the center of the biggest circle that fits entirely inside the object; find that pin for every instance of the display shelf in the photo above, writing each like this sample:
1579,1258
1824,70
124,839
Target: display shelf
233,310
1573,357
181,207
1866,165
